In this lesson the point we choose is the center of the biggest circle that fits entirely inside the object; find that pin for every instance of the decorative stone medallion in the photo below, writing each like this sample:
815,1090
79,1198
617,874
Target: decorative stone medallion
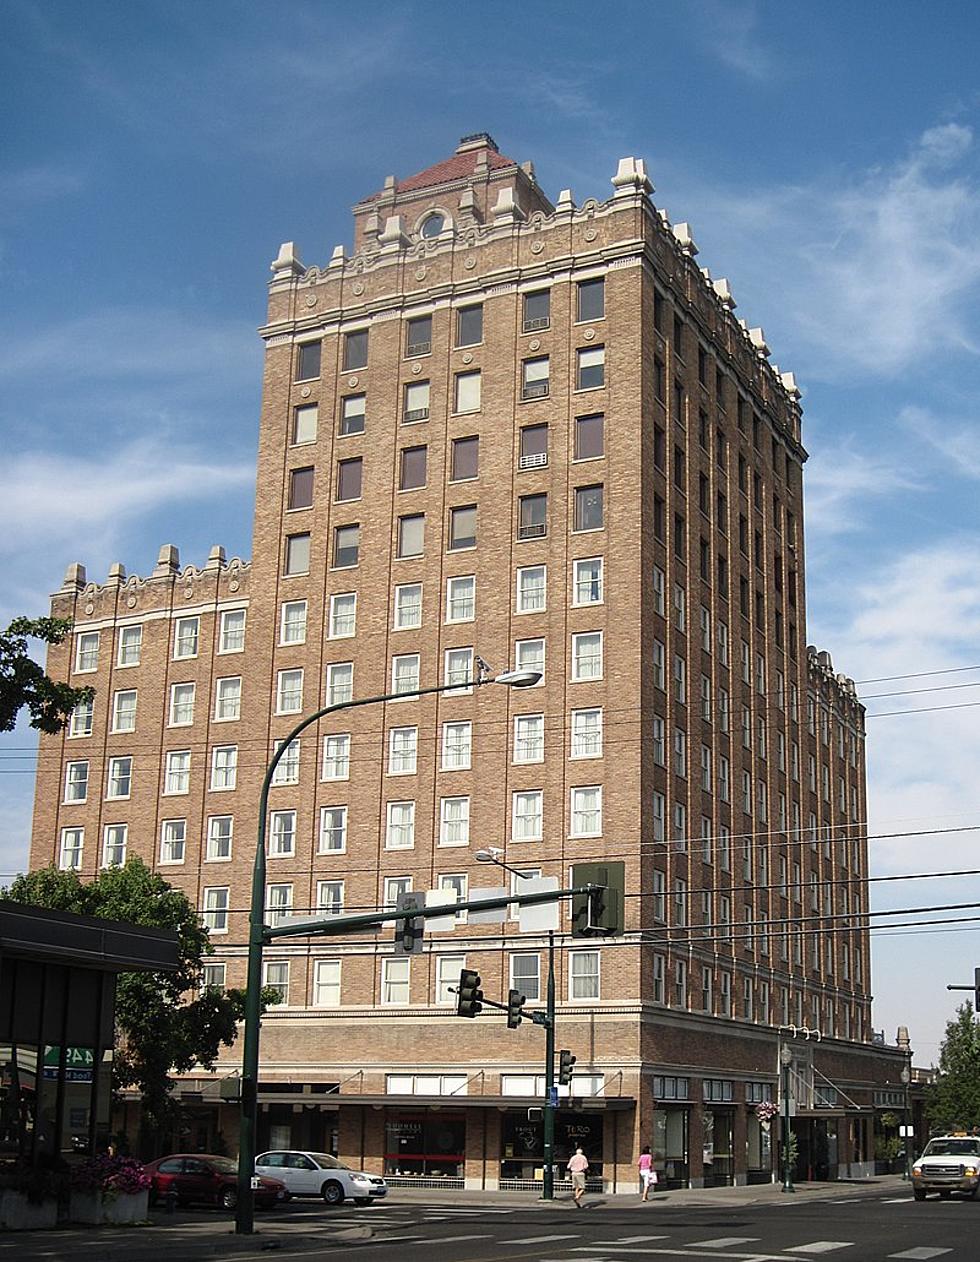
306,392
467,358
420,273
311,300
416,369
358,287
534,344
537,247
590,234
589,334
352,382
131,602
188,593
90,608
469,264
234,585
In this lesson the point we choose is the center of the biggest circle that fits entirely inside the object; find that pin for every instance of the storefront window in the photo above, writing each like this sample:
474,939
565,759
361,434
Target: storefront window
425,1145
670,1146
758,1143
718,1164
522,1158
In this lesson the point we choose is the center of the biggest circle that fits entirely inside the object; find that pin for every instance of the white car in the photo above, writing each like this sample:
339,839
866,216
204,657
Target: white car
319,1174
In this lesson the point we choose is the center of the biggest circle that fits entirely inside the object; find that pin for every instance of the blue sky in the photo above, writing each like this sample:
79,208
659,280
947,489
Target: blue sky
154,155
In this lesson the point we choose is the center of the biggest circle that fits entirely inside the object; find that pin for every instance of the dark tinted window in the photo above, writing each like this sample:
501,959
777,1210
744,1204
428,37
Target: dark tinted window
419,336
591,299
469,326
466,458
537,310
413,468
588,507
301,488
308,361
355,350
589,436
349,479
462,527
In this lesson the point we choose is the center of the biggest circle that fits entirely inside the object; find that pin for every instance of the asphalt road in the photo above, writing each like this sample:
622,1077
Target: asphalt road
857,1226
848,1224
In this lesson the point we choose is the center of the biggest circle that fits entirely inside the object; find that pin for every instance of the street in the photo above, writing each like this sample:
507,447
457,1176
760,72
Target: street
866,1224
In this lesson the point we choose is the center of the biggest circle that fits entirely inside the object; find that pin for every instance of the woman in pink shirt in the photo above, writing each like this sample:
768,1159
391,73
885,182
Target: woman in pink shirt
648,1176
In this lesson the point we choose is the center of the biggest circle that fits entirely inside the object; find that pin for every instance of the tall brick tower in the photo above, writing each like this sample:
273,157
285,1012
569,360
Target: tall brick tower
538,434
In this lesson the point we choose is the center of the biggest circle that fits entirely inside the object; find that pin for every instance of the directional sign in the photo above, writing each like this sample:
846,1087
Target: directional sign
539,917
441,898
493,915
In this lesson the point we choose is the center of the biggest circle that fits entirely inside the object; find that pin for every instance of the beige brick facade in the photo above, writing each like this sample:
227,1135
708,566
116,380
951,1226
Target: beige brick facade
682,726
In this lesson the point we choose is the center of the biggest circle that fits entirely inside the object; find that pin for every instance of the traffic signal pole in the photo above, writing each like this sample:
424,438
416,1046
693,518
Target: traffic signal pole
548,1174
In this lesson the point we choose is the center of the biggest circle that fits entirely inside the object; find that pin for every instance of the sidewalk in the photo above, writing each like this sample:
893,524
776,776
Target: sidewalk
167,1240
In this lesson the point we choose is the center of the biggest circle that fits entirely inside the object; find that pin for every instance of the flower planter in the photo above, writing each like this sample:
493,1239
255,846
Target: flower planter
97,1207
17,1213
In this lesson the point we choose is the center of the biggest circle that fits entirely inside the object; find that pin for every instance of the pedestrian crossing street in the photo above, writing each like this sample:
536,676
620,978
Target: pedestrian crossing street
575,1246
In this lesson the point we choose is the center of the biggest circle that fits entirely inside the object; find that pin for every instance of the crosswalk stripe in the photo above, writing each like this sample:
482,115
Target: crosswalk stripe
485,1235
898,1200
624,1240
922,1253
820,1246
722,1242
539,1239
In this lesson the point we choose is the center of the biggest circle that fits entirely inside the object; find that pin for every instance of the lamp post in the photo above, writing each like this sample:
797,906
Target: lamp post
905,1044
245,1209
491,854
786,1059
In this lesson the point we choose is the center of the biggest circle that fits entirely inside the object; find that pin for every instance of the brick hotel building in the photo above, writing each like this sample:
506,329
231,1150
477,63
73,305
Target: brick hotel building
539,434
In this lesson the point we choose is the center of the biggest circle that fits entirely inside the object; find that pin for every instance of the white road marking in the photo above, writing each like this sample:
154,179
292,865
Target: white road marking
635,1240
922,1253
542,1239
459,1239
723,1242
820,1246
898,1200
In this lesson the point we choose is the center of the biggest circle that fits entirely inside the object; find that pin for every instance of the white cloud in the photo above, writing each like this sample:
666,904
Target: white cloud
138,343
957,441
735,38
918,613
878,270
843,485
50,503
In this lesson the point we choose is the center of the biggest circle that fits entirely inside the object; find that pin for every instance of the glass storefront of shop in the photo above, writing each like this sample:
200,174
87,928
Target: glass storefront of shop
424,1144
51,1105
719,1165
522,1156
758,1146
670,1145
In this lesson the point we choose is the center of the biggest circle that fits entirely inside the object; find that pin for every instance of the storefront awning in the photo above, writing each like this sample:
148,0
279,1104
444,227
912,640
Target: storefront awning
585,1104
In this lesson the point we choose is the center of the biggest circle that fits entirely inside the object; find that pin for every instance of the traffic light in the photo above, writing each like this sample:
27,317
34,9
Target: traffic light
976,990
600,911
469,996
408,933
565,1062
515,1003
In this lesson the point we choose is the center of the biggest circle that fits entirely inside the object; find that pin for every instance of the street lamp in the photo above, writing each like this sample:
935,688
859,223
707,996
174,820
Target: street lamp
245,1209
491,854
906,1077
786,1058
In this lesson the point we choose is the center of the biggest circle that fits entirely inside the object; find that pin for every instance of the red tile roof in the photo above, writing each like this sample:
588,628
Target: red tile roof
458,167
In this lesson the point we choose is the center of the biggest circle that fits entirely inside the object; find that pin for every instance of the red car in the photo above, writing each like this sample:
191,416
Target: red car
206,1179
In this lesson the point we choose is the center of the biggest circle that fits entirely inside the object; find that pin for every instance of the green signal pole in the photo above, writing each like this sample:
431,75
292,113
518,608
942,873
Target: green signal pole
548,1175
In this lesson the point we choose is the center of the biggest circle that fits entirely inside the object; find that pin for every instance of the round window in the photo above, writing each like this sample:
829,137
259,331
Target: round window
433,225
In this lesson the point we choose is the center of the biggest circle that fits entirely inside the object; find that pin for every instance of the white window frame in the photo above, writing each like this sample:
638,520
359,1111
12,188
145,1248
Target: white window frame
528,738
342,623
457,761
119,772
406,669
454,831
218,839
578,584
231,639
215,908
290,622
173,841
578,816
228,699
177,772
458,662
517,800
123,714
329,829
289,697
224,768
586,733
114,837
531,592
580,658
403,751
336,756
129,649
86,652
71,849
187,632
400,833
402,604
326,983
339,687
578,976
396,990
452,600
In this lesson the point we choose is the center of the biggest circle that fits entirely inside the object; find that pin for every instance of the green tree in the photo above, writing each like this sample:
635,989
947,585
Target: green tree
24,683
158,1028
953,1100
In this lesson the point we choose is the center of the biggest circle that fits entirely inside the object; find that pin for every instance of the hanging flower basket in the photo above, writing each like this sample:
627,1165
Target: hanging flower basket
765,1111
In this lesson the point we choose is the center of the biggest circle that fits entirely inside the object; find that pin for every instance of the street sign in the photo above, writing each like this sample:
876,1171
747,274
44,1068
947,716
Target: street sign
441,898
492,915
554,1097
539,917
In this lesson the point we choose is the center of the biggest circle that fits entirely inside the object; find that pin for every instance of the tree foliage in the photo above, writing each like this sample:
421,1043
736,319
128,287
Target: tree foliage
24,683
953,1100
158,1029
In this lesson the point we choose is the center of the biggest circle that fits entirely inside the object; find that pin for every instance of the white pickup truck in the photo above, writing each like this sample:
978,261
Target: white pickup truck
950,1163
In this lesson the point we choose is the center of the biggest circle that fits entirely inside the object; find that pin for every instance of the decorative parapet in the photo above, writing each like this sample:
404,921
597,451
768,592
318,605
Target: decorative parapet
219,578
386,237
821,668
